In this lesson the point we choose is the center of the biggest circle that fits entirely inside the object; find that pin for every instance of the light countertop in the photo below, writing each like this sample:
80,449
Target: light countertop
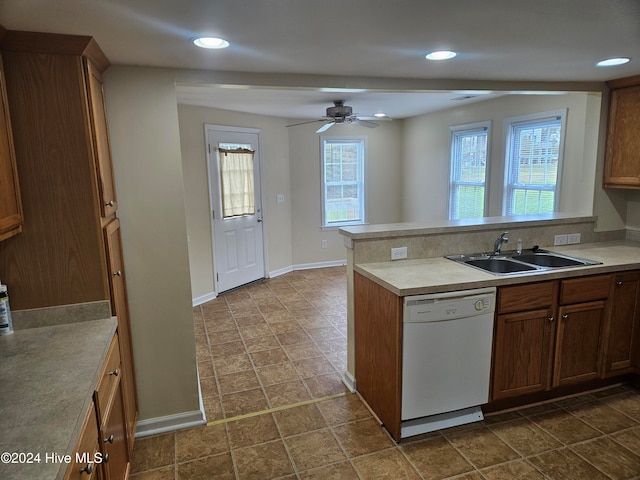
438,274
47,378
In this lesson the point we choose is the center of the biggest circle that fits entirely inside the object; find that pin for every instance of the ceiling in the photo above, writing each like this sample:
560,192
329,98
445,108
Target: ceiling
496,40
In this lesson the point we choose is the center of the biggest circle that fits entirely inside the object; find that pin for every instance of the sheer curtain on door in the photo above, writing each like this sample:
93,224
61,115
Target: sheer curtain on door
236,181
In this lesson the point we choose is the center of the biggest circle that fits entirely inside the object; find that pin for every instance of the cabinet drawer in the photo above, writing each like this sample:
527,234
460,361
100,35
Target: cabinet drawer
531,296
106,389
83,464
586,289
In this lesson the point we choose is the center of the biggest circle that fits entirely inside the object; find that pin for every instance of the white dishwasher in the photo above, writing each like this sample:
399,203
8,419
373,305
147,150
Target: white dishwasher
446,359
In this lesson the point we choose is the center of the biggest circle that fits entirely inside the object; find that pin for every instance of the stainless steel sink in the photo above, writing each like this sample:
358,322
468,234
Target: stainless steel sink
513,263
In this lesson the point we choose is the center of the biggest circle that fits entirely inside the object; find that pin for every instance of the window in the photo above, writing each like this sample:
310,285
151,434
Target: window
467,185
533,163
236,180
343,181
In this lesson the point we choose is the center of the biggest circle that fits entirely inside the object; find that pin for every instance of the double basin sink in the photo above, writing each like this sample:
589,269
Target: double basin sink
527,261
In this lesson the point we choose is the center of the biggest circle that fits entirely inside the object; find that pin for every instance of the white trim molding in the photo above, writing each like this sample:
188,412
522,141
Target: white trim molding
153,426
204,298
349,381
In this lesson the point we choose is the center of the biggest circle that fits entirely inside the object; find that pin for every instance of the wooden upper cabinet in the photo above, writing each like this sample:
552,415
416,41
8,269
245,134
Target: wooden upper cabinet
11,218
102,149
622,155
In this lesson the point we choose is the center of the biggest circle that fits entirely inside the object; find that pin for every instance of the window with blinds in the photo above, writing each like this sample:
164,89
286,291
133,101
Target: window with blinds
533,163
468,171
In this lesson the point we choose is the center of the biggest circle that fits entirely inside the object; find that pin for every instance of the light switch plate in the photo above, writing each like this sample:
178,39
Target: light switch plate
561,240
280,198
573,238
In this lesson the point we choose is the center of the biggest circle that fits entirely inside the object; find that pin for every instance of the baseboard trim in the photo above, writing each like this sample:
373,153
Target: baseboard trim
204,298
153,426
309,266
281,271
349,381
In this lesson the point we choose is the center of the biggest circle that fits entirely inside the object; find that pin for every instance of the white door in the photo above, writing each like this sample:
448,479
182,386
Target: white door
233,161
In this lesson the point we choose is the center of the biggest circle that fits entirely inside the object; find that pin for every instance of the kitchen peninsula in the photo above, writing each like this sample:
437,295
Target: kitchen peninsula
588,300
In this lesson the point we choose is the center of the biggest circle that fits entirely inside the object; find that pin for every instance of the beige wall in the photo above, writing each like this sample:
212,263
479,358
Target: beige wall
383,187
275,180
428,138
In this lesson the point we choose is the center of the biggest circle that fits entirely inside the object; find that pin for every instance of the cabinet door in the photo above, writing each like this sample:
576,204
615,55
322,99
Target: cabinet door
578,344
114,441
85,459
10,203
121,310
523,353
101,146
623,323
622,156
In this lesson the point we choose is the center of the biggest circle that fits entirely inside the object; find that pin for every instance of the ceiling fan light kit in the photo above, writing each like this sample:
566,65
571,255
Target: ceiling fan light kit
339,113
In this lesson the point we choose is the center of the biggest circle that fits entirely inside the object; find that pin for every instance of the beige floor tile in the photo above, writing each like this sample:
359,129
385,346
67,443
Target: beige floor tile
520,469
268,357
343,410
627,403
212,408
258,344
219,467
261,462
287,393
293,338
201,442
629,439
248,316
301,351
297,420
362,437
325,385
205,368
435,458
224,337
310,367
388,465
602,417
209,387
215,325
481,447
565,428
314,449
245,402
324,333
337,471
279,373
228,349
252,431
525,437
285,327
563,464
153,452
607,456
164,473
232,364
238,382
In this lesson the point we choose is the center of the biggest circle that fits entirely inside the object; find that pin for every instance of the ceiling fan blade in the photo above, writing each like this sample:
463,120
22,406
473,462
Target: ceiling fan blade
364,123
308,121
326,127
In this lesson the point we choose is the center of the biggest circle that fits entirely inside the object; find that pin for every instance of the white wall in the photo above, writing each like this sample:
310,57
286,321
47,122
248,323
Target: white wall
427,139
275,180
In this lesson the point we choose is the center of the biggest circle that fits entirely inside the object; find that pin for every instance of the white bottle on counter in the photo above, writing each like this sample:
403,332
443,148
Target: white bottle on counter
6,325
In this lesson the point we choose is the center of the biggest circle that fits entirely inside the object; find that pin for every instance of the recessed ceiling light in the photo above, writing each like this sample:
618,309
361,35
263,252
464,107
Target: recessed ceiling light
380,115
612,62
210,42
342,90
441,55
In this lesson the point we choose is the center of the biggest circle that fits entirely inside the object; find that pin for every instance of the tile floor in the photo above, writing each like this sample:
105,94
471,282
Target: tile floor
278,345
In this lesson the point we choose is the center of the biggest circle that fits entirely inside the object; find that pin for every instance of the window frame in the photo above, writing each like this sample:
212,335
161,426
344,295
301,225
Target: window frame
510,124
457,131
361,182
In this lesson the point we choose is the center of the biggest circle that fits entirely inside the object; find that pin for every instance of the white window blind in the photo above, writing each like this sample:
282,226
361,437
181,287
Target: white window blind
534,160
467,186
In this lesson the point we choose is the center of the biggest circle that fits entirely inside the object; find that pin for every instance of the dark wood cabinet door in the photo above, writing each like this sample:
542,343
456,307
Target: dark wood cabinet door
579,343
523,353
623,323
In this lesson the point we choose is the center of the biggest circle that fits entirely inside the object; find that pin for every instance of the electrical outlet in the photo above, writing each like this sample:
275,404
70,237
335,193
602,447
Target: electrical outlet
561,240
323,243
573,238
398,253
280,198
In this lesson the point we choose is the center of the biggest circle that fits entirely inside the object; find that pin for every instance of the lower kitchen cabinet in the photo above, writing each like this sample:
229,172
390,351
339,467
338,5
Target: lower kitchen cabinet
623,325
85,463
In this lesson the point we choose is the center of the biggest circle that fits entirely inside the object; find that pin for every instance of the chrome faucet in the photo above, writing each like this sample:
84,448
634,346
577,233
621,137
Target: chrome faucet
499,241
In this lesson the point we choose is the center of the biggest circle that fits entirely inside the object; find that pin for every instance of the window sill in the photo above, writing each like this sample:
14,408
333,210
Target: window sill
328,228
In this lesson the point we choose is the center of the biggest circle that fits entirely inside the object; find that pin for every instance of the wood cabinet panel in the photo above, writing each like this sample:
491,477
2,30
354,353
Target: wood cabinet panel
523,353
11,217
623,324
531,296
113,439
109,381
378,350
578,344
585,289
622,154
84,467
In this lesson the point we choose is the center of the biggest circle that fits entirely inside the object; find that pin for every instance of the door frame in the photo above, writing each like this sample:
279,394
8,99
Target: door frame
258,132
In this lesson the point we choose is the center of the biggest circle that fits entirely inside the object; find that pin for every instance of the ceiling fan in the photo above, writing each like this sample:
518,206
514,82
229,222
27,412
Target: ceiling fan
339,113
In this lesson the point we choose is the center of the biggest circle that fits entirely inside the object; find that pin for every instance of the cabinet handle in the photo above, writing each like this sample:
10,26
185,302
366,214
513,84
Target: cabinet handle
565,316
109,439
115,373
551,319
105,458
88,469
117,274
110,203
619,283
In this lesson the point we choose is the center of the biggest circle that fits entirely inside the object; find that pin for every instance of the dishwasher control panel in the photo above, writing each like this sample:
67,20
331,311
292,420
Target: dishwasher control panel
439,307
